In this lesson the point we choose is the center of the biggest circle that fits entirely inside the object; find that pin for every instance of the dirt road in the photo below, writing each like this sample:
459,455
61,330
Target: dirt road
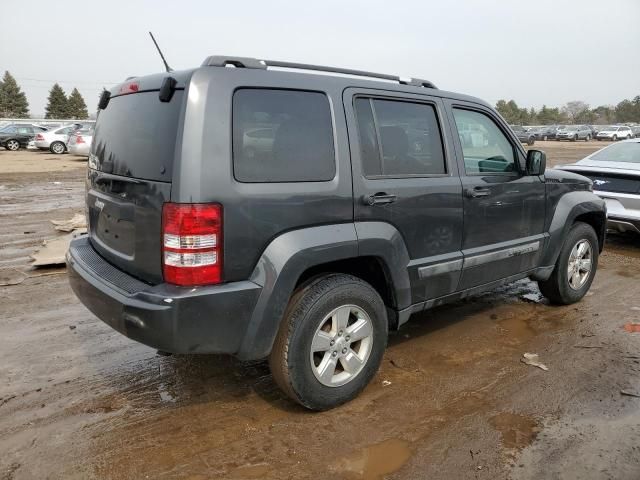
451,401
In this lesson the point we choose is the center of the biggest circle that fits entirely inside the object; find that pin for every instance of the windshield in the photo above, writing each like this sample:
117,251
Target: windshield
620,152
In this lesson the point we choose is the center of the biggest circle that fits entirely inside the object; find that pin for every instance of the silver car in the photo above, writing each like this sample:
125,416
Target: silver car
615,172
79,142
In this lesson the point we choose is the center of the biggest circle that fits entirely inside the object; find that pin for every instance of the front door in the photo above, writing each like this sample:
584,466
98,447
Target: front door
504,209
405,174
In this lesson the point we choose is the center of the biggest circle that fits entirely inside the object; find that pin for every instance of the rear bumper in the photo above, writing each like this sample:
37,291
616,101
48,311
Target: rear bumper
210,319
81,149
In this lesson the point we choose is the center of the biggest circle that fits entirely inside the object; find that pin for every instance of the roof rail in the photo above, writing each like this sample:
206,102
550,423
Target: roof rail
247,62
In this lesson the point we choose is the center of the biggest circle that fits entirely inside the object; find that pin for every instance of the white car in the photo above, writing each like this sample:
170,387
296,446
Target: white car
79,142
54,140
615,133
615,173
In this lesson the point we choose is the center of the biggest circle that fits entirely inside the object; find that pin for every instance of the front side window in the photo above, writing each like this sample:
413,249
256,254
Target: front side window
485,147
282,136
399,138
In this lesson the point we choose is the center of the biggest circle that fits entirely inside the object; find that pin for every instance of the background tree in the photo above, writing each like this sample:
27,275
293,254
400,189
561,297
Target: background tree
573,110
57,104
13,101
76,108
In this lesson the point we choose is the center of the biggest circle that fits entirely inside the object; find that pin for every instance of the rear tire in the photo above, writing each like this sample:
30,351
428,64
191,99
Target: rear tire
12,145
563,289
315,349
57,148
575,137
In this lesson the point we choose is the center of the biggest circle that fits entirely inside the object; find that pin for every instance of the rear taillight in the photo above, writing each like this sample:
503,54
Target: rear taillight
39,137
192,243
79,139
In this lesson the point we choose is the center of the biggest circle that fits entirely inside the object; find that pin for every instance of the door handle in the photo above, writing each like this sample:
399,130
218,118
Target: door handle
380,198
477,192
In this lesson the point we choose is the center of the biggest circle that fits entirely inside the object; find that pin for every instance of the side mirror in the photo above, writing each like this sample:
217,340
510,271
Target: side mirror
536,162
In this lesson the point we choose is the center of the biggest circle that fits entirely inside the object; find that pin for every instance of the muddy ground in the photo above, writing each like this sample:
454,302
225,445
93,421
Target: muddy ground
451,401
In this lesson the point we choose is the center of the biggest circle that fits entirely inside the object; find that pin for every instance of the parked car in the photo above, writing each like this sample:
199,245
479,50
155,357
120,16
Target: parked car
13,137
365,208
574,132
79,142
615,133
635,130
524,135
615,173
545,133
55,140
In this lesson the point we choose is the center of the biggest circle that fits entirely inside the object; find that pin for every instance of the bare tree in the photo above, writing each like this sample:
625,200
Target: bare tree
573,110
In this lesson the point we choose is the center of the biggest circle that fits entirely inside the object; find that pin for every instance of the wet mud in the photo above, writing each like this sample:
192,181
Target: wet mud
451,400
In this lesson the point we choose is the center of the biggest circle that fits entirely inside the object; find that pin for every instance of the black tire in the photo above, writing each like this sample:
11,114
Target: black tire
557,288
575,137
531,141
545,138
58,148
587,138
12,145
615,138
291,358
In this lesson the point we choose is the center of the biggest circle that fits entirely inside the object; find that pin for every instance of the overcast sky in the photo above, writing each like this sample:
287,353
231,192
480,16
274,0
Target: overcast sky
534,51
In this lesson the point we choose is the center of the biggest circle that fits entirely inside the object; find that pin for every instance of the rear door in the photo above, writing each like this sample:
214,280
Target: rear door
504,209
404,174
130,171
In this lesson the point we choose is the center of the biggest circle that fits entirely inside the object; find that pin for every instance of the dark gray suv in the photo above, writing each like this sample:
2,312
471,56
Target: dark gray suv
301,217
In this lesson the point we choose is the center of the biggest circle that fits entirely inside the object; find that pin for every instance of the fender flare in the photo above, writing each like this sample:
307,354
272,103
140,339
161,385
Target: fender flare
288,255
571,206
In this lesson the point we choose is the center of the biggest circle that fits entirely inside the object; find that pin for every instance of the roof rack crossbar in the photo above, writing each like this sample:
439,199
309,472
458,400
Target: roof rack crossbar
246,62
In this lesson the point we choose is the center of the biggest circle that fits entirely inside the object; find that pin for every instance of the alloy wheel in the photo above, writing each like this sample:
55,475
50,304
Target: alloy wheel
13,145
341,345
580,264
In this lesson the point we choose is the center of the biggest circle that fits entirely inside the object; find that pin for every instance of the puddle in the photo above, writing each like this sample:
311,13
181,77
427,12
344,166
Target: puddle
517,431
376,461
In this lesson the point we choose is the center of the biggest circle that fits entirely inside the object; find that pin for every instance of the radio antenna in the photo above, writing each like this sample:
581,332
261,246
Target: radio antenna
166,65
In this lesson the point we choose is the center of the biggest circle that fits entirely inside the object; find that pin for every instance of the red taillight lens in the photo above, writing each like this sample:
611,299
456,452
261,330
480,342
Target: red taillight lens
39,137
192,243
79,139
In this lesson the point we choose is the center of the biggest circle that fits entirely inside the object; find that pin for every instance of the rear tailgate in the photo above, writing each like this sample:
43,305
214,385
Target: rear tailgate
129,179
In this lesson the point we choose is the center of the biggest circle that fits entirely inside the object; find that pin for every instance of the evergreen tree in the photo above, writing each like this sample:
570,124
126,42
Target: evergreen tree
76,108
13,101
57,106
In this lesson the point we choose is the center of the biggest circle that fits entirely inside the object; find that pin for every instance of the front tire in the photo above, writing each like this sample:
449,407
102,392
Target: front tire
545,138
587,138
531,141
331,341
575,137
12,145
575,268
615,138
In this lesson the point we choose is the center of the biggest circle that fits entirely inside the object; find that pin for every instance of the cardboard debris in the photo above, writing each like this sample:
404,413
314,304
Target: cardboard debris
76,222
53,251
532,359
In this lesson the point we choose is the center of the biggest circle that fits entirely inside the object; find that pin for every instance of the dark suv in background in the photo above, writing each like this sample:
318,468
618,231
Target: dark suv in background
301,218
524,135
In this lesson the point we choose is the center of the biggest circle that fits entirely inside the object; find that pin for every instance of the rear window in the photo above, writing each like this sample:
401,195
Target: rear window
135,136
282,136
399,138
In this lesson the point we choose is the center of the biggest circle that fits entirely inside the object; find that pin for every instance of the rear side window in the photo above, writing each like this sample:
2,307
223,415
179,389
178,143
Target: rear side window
399,138
282,136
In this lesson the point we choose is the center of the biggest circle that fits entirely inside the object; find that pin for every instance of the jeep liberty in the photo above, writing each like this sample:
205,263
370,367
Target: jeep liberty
258,209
